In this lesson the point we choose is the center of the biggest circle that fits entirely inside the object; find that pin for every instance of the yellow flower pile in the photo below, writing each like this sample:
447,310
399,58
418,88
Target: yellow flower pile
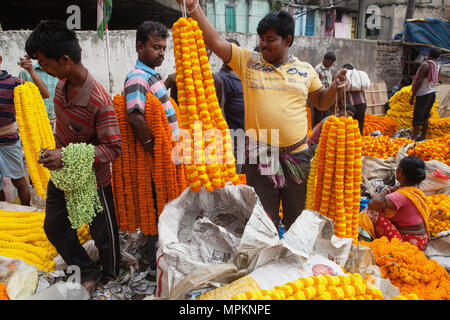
382,147
384,124
437,127
321,287
334,183
402,112
35,132
439,213
210,161
22,236
433,149
409,269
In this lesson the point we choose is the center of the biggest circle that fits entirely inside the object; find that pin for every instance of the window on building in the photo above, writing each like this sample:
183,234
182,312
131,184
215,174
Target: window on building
354,27
310,22
230,19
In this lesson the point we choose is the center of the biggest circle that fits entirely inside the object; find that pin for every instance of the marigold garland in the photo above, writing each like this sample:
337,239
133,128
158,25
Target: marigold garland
135,169
409,269
209,157
35,132
22,236
334,183
438,127
382,147
352,286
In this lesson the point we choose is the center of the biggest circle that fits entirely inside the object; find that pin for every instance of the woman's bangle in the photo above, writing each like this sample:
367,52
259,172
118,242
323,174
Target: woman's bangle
195,6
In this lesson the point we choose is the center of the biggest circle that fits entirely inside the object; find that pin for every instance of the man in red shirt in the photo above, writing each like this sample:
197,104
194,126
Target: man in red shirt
84,113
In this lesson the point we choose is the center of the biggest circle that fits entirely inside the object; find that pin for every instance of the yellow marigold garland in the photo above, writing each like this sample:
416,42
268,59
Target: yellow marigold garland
22,236
410,270
200,113
334,183
35,132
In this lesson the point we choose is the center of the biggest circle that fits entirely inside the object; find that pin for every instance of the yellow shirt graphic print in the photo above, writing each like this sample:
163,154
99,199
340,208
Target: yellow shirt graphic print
274,97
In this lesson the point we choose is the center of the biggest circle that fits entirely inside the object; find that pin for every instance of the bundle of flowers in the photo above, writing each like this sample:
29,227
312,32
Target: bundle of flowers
334,183
384,124
439,213
401,111
208,154
409,269
35,132
438,127
135,169
382,147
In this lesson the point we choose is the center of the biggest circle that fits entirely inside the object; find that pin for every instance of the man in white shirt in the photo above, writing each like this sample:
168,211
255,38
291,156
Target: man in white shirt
323,69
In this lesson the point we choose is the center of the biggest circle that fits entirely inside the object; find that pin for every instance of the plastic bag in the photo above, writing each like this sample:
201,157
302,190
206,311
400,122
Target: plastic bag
63,291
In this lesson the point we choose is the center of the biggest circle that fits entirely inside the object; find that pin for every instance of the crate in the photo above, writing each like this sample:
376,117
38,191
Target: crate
376,97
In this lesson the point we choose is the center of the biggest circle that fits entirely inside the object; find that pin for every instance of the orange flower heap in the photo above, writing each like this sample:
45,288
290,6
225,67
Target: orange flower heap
385,125
410,270
437,127
334,183
208,153
382,146
433,149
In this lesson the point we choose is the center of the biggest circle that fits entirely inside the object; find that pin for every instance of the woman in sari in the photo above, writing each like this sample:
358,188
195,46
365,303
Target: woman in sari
402,211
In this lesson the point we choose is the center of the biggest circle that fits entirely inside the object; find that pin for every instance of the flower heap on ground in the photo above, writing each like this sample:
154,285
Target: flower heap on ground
438,127
409,269
208,153
439,213
334,183
321,287
401,111
382,147
78,181
35,132
433,149
3,294
22,236
135,169
384,124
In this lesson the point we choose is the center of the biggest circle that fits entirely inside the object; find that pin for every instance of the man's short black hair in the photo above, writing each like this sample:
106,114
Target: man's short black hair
434,53
330,55
151,27
348,66
281,21
54,40
407,81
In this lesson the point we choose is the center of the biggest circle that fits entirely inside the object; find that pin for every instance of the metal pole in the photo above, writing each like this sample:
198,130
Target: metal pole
411,6
111,81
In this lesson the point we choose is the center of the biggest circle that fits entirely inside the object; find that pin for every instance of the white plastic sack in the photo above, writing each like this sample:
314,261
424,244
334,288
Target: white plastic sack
22,283
199,230
357,80
438,248
63,291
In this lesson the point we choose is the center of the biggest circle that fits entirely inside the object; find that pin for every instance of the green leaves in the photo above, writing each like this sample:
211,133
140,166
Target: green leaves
77,179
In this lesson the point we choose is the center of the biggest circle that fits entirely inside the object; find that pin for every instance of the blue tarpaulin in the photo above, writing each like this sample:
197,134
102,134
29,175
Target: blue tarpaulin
427,33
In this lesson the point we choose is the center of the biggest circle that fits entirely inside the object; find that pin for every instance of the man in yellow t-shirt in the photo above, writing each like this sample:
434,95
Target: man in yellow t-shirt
276,86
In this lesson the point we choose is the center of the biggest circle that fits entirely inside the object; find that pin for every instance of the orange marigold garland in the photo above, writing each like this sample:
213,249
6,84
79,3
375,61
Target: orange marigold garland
334,182
135,169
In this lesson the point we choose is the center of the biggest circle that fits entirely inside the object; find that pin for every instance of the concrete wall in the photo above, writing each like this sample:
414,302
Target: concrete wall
381,60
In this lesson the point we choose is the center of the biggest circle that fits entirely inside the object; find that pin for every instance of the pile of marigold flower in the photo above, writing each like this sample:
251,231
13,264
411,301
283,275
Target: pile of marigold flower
134,170
35,132
439,213
3,294
22,236
322,287
382,147
210,161
334,183
438,127
433,149
402,112
409,269
384,124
